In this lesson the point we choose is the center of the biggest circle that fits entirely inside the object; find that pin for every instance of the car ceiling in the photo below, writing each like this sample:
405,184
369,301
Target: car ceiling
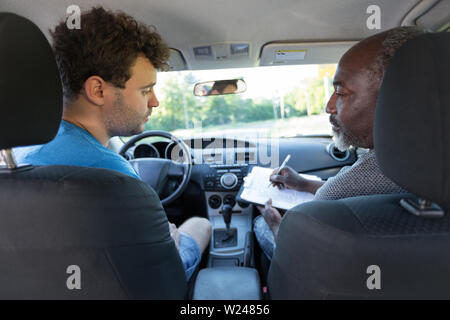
188,23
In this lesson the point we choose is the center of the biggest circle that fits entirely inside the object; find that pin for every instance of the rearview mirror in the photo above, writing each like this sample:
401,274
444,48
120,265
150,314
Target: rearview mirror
219,87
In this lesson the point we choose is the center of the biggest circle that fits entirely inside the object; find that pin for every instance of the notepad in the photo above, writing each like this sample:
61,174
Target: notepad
256,190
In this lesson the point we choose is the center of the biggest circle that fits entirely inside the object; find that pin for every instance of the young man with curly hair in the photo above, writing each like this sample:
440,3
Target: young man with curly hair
108,70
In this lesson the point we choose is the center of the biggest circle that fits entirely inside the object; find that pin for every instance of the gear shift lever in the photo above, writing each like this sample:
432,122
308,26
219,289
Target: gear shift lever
227,211
226,238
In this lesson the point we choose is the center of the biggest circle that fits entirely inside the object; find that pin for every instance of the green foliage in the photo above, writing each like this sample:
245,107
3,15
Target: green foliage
176,95
308,100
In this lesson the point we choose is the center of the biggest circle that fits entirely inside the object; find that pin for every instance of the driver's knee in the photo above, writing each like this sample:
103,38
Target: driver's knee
199,229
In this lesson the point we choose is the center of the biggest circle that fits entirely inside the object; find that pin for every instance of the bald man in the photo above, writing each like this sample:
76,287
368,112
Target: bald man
352,108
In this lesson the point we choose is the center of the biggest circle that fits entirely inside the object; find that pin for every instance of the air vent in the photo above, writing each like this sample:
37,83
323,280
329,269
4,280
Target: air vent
229,199
337,154
215,201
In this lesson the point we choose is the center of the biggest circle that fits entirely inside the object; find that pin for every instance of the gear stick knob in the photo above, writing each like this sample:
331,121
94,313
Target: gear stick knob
227,211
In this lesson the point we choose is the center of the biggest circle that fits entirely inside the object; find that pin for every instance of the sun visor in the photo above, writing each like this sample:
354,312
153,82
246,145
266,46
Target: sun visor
433,16
291,53
176,60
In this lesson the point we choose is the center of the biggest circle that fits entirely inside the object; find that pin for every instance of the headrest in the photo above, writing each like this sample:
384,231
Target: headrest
412,118
30,86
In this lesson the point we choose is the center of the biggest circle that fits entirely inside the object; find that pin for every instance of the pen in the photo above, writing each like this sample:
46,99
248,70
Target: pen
282,166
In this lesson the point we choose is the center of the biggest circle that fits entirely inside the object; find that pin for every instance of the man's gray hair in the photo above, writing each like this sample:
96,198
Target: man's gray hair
394,39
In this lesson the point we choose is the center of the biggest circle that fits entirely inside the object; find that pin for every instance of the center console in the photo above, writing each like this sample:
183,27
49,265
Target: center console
231,241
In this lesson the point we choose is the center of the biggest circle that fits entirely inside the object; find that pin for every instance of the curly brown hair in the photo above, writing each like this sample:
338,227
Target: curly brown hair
107,45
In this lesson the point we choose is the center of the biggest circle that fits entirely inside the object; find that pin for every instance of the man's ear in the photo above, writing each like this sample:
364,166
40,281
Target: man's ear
94,90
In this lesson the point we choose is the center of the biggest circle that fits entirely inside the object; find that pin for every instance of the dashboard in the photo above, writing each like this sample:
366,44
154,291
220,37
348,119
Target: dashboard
221,164
218,171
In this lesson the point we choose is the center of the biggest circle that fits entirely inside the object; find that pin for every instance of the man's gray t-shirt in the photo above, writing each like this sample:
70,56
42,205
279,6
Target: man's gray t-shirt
363,178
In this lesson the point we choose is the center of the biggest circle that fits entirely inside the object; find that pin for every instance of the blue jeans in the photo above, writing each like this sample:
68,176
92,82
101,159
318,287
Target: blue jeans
264,236
190,254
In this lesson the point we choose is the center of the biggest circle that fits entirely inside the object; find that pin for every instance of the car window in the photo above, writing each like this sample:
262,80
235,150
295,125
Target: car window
280,101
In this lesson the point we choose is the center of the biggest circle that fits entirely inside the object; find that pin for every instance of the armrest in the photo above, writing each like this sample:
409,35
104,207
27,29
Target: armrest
227,283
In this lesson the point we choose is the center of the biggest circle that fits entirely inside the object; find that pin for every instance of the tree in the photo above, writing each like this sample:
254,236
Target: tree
180,107
174,95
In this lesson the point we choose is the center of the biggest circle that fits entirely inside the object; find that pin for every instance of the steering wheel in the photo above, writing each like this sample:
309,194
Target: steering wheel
157,172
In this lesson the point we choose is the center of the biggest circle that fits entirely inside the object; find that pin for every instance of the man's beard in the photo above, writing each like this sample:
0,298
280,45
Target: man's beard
342,138
123,120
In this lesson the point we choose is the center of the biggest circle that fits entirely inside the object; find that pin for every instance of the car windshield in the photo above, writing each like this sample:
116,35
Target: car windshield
280,101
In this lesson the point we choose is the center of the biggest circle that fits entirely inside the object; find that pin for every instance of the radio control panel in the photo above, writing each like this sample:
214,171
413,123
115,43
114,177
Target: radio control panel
225,178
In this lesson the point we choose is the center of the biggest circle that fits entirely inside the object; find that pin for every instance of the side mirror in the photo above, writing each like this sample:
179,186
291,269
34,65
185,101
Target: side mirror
220,87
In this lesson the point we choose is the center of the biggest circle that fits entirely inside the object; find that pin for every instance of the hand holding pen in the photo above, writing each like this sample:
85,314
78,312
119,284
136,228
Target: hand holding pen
278,171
